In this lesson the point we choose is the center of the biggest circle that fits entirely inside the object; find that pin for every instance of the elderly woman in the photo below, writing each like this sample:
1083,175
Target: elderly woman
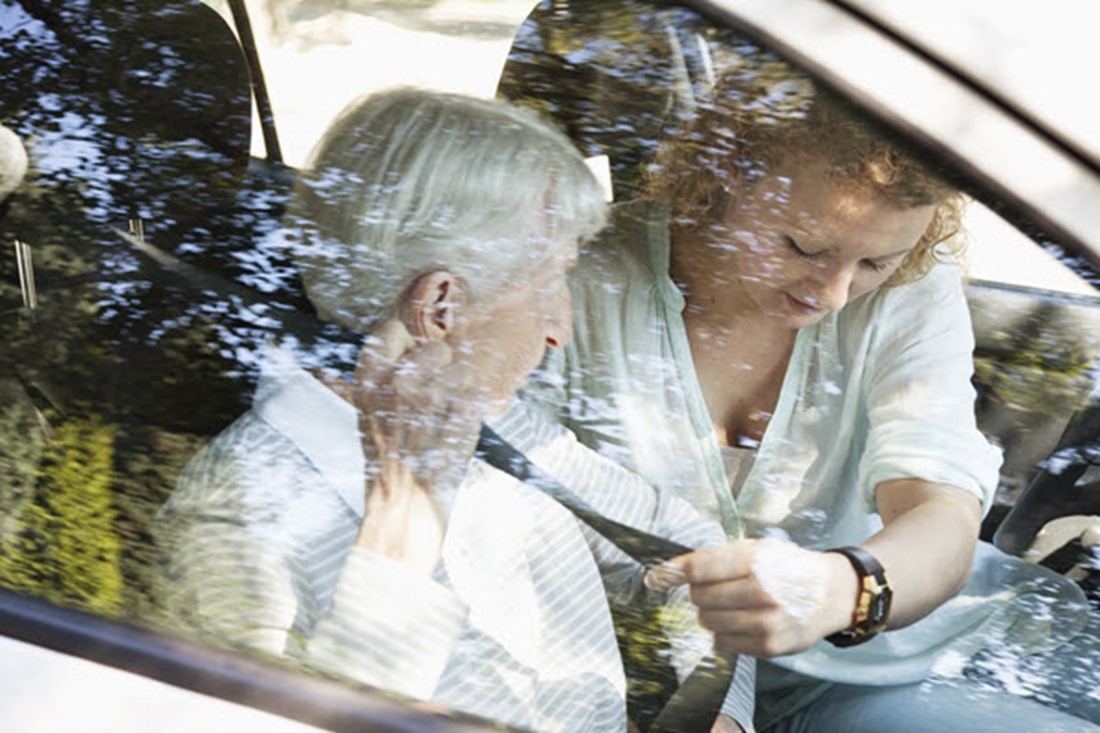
778,333
342,521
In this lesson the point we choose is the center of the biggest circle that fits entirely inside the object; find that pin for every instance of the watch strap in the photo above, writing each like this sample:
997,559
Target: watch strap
873,603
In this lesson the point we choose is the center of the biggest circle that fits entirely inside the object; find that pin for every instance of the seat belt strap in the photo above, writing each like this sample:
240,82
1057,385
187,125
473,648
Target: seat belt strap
698,701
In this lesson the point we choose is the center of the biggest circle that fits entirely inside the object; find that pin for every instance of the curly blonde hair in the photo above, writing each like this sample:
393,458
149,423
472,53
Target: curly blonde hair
760,113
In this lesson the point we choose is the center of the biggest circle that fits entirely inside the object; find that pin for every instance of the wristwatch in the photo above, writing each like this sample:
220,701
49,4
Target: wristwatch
872,606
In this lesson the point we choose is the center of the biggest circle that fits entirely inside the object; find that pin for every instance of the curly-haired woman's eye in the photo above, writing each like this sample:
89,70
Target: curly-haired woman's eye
793,246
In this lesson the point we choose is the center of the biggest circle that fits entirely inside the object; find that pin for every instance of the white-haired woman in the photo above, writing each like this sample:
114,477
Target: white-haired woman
342,521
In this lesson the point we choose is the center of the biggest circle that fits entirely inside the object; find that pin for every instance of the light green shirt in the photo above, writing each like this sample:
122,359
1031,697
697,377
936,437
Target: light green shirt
879,391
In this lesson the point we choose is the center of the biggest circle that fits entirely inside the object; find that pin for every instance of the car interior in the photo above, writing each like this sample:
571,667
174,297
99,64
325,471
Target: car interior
1036,355
139,289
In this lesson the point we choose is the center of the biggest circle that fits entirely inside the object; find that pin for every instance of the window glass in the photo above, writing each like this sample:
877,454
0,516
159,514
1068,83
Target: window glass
999,253
240,392
1035,314
362,46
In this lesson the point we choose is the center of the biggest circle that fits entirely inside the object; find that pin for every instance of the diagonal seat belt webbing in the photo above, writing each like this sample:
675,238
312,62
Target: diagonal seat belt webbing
648,549
697,702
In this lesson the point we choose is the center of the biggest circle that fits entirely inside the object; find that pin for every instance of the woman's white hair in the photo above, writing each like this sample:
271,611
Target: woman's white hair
408,181
13,162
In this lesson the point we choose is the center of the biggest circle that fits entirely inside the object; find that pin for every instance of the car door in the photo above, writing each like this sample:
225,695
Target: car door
138,284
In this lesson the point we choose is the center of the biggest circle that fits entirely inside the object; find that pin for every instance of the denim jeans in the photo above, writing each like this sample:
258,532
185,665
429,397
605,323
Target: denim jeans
928,707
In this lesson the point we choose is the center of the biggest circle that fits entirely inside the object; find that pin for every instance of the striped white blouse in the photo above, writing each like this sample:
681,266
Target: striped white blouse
258,547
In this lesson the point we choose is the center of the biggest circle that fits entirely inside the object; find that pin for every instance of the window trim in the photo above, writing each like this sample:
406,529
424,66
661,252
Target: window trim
292,694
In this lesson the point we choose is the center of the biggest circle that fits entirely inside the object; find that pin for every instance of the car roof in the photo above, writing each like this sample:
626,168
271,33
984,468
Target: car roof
1035,61
1044,181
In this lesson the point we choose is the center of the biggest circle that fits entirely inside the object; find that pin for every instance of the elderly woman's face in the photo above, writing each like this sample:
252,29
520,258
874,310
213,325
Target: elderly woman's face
506,335
796,247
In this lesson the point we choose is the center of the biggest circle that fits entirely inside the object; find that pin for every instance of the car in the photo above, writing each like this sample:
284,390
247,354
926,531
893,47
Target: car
150,152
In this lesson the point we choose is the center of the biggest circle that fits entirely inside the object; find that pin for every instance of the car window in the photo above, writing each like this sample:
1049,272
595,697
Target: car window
999,253
134,303
1035,314
443,44
157,296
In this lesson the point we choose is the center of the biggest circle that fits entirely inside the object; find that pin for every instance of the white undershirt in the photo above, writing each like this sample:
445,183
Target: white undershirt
738,462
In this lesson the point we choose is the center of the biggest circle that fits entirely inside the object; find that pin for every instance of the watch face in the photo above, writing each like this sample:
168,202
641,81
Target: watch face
873,606
879,608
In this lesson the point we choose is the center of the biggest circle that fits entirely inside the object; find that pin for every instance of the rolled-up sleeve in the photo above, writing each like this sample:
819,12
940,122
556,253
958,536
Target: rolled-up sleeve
920,399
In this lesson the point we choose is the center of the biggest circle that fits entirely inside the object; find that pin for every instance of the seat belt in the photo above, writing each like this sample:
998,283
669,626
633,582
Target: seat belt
695,705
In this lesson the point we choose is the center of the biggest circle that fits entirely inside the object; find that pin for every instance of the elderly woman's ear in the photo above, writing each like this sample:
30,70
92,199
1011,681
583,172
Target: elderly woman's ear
429,307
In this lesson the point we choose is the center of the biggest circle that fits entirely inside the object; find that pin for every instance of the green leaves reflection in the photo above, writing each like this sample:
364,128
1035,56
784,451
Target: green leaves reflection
63,546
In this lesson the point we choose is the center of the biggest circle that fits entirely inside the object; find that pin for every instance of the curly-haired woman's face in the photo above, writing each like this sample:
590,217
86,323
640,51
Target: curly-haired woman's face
797,247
